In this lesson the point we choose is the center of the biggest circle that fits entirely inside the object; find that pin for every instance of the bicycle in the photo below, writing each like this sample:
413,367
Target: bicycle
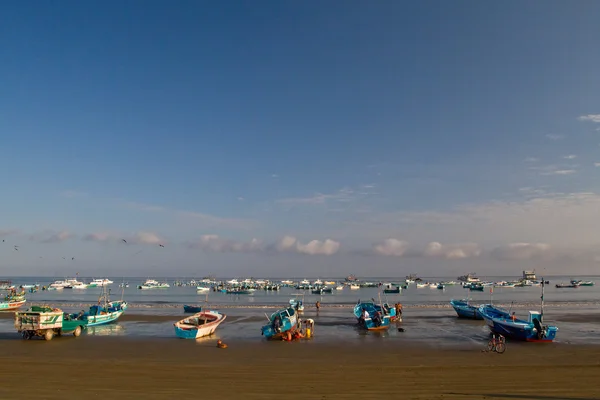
497,343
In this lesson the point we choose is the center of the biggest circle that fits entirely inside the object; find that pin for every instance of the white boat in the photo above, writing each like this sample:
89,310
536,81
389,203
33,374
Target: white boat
199,325
100,282
421,285
354,287
80,286
433,285
202,289
318,282
153,284
305,282
339,287
59,284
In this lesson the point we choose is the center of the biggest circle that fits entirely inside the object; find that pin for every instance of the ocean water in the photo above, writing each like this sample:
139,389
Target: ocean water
428,318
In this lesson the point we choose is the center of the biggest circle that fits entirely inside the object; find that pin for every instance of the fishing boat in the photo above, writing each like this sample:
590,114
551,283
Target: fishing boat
238,291
582,283
11,304
531,330
280,322
153,284
377,317
201,324
390,288
202,289
339,287
192,309
476,287
105,311
298,303
465,310
354,287
100,282
567,285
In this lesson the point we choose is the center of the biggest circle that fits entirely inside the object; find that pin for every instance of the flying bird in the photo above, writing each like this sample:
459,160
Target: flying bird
17,248
72,258
64,258
124,241
161,245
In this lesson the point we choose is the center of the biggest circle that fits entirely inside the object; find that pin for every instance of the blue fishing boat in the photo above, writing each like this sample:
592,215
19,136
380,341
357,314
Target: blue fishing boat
531,330
192,309
372,316
281,322
105,311
465,310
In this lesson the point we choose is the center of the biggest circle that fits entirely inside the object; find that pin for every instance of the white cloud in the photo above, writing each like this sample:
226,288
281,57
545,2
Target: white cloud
391,247
400,248
531,159
240,198
590,117
314,247
563,172
552,136
142,237
343,195
8,232
597,164
274,176
51,236
522,251
221,245
570,157
453,251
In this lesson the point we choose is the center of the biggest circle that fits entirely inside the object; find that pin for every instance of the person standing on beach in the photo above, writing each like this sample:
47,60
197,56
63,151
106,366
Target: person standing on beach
318,305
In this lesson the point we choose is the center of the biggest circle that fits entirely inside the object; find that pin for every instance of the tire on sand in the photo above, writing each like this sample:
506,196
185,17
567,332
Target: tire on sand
77,331
49,334
500,347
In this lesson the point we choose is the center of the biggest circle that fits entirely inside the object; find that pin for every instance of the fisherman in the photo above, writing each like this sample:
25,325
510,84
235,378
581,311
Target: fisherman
277,324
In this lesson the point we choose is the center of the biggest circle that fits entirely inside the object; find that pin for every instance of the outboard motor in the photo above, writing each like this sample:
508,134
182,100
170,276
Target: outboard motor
541,332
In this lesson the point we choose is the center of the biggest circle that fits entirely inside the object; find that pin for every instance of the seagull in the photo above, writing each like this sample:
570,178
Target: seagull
161,245
72,258
124,241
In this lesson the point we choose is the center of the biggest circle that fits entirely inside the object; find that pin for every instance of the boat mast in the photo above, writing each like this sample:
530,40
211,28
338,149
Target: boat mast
542,298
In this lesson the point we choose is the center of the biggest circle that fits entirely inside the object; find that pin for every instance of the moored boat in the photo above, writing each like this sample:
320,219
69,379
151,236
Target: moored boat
192,309
465,310
567,285
280,323
582,283
199,325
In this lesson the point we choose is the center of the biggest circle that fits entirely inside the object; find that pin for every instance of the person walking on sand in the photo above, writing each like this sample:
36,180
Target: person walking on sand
318,305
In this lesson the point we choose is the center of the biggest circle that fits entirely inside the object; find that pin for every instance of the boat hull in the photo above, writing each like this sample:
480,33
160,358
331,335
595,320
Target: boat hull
501,322
192,309
289,323
184,330
11,305
465,310
102,316
370,324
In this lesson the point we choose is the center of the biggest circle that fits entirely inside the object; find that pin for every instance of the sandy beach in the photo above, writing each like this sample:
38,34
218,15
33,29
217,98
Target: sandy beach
126,368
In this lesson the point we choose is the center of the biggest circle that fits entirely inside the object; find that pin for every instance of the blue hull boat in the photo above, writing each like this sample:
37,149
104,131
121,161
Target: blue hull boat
465,310
378,318
280,323
192,309
503,323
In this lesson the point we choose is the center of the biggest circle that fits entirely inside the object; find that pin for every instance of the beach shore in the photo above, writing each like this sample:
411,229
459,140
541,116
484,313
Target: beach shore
128,368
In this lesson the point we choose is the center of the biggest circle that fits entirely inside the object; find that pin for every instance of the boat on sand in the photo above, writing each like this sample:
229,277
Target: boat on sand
199,325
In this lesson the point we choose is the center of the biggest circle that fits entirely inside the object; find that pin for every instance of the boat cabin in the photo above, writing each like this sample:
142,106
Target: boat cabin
529,275
535,315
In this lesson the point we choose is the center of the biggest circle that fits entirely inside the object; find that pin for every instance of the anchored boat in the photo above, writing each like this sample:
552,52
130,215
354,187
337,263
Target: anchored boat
465,310
199,325
373,317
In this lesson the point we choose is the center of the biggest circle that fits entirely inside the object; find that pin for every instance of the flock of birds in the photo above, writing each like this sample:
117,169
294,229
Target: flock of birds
16,248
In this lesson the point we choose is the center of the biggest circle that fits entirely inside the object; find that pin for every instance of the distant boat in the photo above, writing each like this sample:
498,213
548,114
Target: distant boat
298,302
582,283
202,289
377,317
391,289
153,284
465,310
476,287
192,309
238,291
199,325
339,287
567,285
280,322
354,287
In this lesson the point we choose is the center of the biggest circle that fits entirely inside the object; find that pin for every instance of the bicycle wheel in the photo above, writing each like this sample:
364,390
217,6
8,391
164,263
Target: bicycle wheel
500,347
491,345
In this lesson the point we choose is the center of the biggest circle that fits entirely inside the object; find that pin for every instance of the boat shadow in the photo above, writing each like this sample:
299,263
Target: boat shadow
520,396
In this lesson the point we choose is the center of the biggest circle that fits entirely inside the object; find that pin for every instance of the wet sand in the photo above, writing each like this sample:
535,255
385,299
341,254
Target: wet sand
126,368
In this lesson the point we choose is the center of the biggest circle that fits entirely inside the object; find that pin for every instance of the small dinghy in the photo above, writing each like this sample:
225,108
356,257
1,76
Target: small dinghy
199,325
191,309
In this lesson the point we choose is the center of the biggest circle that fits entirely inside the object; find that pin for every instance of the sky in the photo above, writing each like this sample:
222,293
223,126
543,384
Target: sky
304,139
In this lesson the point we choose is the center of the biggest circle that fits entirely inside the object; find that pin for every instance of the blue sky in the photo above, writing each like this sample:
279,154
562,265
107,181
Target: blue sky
299,139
